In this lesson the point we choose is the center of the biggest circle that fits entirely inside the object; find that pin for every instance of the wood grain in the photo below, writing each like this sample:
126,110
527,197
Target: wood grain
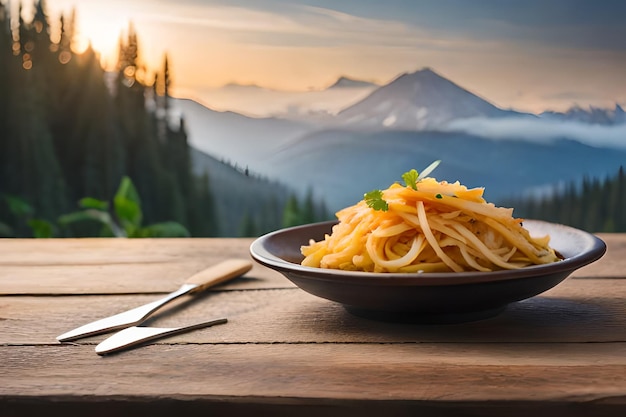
613,263
400,371
103,266
120,266
577,310
285,352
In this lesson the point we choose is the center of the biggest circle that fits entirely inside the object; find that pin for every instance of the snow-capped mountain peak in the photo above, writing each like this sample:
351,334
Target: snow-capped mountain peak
417,101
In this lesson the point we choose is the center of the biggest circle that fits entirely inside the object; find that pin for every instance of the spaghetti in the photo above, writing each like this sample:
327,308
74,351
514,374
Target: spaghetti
430,227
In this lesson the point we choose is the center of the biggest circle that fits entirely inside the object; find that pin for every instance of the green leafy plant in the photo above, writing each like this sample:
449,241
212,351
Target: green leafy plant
125,218
21,210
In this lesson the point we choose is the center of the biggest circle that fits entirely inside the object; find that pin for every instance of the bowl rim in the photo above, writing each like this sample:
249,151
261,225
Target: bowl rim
593,249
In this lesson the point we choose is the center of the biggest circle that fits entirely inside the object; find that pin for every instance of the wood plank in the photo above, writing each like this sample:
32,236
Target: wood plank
415,372
104,250
101,266
119,266
286,352
156,278
613,263
577,310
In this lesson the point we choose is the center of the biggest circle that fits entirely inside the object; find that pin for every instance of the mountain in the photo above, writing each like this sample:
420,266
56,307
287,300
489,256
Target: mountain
417,101
346,82
407,124
240,140
592,115
260,102
342,165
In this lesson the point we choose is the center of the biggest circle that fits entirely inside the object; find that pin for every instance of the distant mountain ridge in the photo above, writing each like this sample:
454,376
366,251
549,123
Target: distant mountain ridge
419,100
237,86
347,82
342,165
234,138
591,115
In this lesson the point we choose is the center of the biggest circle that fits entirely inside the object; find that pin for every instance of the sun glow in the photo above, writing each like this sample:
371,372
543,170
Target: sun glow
210,43
102,37
98,25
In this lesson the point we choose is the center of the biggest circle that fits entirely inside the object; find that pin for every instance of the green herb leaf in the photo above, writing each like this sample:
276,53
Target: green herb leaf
410,178
438,196
374,199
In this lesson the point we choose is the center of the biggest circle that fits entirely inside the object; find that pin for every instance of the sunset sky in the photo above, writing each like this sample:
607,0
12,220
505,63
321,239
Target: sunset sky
529,55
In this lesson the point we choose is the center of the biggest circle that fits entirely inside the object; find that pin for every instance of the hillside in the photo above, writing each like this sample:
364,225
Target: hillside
234,138
237,196
342,165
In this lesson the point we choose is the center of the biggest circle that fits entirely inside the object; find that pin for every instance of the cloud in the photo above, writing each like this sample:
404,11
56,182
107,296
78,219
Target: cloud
300,25
543,130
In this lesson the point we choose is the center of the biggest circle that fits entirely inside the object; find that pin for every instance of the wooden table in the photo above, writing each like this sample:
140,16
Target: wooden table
285,352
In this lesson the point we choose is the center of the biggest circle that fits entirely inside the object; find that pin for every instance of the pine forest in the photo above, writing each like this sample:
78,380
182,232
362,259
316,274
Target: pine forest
78,143
593,205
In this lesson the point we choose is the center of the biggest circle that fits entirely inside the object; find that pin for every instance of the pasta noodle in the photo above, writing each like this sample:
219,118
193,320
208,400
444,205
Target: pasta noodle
432,227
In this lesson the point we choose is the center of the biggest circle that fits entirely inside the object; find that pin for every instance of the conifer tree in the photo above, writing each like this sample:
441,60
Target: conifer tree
308,209
104,158
292,214
36,170
8,163
142,162
203,216
593,205
7,61
248,227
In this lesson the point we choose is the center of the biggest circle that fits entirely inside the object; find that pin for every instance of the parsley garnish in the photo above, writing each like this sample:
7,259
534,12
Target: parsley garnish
374,199
438,196
410,179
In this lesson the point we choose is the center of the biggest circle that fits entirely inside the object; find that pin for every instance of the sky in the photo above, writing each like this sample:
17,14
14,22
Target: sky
530,55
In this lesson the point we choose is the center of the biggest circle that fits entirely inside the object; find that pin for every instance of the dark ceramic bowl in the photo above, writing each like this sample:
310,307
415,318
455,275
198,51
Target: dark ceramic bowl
442,297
